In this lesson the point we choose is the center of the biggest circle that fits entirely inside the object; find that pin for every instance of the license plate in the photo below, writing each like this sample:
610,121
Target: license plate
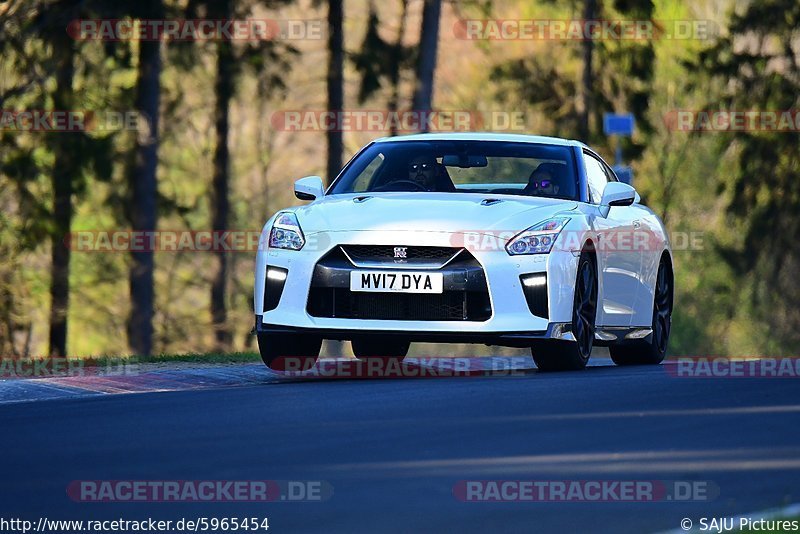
394,281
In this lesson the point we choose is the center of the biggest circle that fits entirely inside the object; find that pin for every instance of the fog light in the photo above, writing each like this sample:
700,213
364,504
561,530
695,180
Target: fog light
273,287
535,288
534,280
278,275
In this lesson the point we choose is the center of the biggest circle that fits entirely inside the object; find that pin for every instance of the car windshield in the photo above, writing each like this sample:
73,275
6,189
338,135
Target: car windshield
487,167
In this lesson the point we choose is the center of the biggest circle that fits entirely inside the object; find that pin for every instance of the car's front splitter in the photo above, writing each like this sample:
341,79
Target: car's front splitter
554,331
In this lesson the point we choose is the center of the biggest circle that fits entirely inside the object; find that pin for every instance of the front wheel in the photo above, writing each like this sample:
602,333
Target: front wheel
288,352
652,350
567,355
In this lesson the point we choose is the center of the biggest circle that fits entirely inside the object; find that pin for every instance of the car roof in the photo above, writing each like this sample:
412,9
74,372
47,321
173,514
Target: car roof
483,136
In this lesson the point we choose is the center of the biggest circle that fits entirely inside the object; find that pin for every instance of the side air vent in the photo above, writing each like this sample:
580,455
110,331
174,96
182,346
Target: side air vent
535,288
273,287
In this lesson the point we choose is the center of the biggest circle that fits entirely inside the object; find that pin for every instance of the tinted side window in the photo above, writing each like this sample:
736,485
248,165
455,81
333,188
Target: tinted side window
612,177
596,177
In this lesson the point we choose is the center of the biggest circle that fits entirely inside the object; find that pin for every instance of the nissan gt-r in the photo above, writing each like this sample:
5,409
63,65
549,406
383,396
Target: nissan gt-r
509,240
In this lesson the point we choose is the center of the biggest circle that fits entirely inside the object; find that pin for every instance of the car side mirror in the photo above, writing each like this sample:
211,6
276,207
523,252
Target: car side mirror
309,188
618,194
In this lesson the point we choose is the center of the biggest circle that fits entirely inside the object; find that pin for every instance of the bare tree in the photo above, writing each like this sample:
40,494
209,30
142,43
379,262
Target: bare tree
426,61
220,205
584,103
335,84
394,65
64,170
144,187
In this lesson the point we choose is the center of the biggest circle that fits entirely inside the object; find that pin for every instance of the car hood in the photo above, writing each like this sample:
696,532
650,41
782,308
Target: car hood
427,212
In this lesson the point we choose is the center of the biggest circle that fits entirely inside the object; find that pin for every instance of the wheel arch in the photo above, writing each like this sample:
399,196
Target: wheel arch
666,258
589,246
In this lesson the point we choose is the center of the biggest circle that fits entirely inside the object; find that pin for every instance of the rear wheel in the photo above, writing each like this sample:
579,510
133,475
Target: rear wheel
567,355
288,352
371,347
653,350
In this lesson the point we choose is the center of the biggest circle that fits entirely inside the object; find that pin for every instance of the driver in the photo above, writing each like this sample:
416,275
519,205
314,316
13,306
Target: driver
542,182
422,171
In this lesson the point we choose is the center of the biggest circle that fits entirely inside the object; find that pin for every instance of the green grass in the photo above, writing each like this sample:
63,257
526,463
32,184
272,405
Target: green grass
39,367
215,358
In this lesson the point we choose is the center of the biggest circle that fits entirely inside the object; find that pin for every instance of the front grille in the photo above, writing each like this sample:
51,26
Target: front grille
465,296
386,253
446,306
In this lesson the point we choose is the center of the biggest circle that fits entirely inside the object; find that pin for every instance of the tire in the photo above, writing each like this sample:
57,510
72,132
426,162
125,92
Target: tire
287,352
371,347
653,349
574,355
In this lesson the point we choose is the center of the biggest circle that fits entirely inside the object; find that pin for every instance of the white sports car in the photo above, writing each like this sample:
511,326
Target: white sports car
509,240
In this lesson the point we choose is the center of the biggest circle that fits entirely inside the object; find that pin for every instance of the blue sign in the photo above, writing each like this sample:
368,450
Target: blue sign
618,123
624,173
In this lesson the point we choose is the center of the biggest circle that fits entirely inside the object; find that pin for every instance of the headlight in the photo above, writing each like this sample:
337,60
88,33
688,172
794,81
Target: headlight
286,232
538,239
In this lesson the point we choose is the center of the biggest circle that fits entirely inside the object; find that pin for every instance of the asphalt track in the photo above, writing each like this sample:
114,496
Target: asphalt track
393,450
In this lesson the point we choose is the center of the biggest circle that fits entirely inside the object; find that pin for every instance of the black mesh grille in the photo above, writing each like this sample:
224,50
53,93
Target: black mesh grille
447,306
465,296
385,253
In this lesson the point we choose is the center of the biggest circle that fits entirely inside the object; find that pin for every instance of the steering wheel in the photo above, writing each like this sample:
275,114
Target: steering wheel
392,186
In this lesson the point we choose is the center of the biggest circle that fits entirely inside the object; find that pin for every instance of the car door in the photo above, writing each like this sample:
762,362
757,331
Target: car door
619,260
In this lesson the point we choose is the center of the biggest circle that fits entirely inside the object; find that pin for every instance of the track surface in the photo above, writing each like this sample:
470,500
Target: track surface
394,449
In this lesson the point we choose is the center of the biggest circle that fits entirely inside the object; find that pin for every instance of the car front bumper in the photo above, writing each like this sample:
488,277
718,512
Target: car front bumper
511,320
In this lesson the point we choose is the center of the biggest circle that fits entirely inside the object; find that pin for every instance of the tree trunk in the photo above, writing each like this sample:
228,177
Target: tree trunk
144,189
335,84
64,170
585,102
220,190
397,56
426,62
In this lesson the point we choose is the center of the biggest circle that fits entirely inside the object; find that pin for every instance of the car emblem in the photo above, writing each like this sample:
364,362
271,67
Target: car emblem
400,252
